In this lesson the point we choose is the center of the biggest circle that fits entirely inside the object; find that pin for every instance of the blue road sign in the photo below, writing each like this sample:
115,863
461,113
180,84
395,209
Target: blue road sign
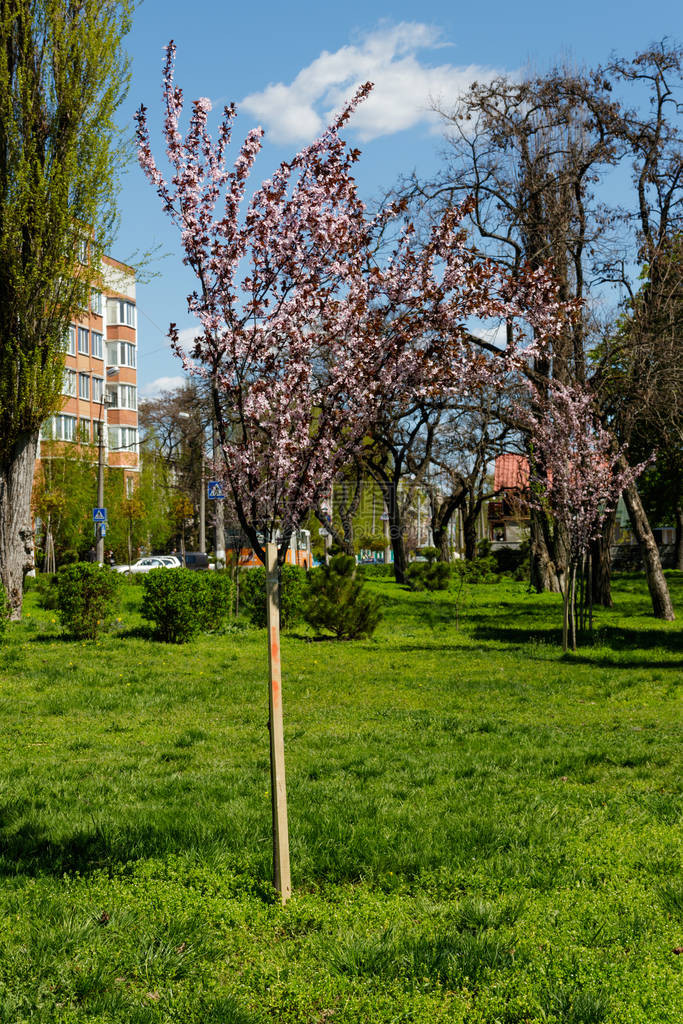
103,529
215,489
99,515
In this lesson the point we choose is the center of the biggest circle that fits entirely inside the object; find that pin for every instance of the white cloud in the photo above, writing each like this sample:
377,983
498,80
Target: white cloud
404,86
155,387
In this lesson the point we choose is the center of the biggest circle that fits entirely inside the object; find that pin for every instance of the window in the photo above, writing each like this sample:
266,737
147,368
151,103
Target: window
97,347
97,388
129,486
83,340
112,396
71,340
121,353
123,438
59,428
82,249
69,386
96,301
127,354
83,385
121,312
127,398
84,430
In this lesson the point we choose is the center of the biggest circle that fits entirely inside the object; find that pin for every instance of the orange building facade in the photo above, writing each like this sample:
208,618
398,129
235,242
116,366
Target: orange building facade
100,374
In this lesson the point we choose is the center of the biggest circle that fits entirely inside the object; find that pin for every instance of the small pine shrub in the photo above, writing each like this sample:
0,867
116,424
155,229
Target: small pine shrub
87,598
429,575
292,592
337,602
479,570
181,603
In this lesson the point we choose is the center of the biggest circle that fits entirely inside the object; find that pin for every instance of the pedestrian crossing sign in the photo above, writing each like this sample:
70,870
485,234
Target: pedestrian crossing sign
215,489
99,515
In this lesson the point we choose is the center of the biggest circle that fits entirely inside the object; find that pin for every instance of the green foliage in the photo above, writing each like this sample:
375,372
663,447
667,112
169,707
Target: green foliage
216,602
46,585
513,562
182,603
87,596
377,570
338,602
479,570
62,79
292,590
430,574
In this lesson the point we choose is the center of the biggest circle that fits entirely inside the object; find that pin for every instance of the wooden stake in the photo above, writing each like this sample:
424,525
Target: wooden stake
278,788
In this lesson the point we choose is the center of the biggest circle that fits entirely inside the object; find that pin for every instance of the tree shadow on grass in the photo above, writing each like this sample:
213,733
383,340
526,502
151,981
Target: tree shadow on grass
617,639
29,850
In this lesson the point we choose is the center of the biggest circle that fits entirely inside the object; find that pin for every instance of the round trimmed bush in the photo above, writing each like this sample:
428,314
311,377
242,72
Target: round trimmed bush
292,591
87,598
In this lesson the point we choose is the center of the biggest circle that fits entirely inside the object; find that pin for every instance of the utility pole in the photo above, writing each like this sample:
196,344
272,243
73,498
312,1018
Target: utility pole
202,505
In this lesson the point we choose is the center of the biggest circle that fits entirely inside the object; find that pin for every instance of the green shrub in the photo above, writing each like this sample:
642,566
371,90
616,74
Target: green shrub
216,602
46,586
377,571
513,561
182,603
69,557
292,591
479,570
4,611
86,598
337,602
428,575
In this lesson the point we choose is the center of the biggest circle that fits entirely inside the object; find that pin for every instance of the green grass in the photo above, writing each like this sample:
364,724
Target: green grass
483,829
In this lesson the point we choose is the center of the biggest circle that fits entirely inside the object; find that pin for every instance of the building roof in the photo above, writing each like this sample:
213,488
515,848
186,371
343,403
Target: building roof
511,472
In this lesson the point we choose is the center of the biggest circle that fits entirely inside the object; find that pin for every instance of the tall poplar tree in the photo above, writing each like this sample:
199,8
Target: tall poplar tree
62,78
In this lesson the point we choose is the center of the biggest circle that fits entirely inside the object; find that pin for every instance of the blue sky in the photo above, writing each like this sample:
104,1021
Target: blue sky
288,65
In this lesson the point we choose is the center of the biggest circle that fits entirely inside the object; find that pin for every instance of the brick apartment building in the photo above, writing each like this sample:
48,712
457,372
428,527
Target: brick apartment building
100,375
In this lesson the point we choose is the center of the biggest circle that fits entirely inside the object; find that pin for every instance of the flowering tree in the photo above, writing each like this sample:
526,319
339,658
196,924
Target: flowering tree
304,336
577,474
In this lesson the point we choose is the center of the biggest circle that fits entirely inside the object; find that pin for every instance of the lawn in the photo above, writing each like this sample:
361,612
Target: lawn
482,828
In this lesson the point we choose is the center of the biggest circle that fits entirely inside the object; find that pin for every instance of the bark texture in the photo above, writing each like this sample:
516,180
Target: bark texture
16,531
543,572
601,563
656,581
678,549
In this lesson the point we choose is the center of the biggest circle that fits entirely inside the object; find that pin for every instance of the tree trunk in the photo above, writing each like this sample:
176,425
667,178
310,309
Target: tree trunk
469,527
543,575
678,549
659,591
441,544
601,558
16,532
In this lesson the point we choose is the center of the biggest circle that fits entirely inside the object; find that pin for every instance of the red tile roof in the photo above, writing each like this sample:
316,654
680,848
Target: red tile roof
511,472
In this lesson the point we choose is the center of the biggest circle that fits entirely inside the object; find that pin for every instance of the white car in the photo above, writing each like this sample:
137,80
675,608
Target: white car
170,560
146,565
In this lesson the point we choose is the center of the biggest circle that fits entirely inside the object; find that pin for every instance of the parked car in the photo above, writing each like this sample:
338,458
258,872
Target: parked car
170,560
145,565
196,560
